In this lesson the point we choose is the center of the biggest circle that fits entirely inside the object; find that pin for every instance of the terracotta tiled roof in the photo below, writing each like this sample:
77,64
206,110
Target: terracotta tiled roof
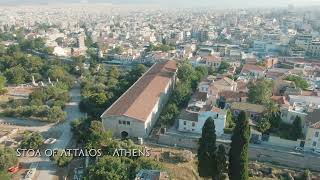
309,93
232,94
215,109
251,67
225,81
199,96
280,99
248,107
139,100
274,74
241,86
316,125
212,58
313,118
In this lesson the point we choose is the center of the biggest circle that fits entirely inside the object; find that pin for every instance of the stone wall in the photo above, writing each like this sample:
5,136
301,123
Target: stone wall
178,141
277,141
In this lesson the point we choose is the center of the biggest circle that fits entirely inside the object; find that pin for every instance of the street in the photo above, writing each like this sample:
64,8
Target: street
278,155
46,168
284,156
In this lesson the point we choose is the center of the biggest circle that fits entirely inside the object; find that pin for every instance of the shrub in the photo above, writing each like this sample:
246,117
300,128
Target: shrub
228,130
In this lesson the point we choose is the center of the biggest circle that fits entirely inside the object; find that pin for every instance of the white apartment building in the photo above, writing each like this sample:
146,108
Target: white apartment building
193,118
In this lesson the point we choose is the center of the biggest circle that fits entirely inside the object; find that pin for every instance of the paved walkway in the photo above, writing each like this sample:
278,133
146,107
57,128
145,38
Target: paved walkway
46,168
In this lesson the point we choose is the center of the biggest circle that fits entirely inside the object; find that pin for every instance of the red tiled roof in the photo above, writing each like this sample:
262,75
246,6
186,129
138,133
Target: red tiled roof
313,118
241,85
139,100
280,99
216,110
232,94
212,58
309,93
316,125
225,81
249,67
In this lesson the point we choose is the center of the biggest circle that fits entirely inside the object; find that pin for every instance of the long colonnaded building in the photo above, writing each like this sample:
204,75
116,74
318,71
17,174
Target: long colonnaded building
136,111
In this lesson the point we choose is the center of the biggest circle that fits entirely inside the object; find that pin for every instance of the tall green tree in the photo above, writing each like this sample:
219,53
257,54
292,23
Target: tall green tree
260,91
275,120
230,120
62,159
221,162
32,141
264,125
109,167
170,112
197,74
136,72
185,71
207,150
296,130
119,168
224,66
3,81
56,114
16,75
182,93
272,107
238,154
114,72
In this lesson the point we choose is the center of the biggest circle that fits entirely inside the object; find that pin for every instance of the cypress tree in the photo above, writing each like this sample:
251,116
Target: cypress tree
296,131
238,154
207,150
221,163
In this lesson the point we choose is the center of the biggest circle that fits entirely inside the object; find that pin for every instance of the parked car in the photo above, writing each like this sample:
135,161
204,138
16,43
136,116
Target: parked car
255,141
316,151
50,141
14,169
299,149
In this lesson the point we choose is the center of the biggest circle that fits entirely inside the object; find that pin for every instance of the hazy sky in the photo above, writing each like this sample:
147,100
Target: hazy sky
185,3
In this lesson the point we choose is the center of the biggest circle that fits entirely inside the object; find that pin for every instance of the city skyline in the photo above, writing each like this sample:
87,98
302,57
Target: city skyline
176,3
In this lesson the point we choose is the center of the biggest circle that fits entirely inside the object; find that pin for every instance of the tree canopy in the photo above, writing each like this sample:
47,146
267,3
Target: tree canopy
32,141
264,125
224,66
159,47
119,168
3,82
100,88
62,159
189,78
260,91
298,81
8,158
